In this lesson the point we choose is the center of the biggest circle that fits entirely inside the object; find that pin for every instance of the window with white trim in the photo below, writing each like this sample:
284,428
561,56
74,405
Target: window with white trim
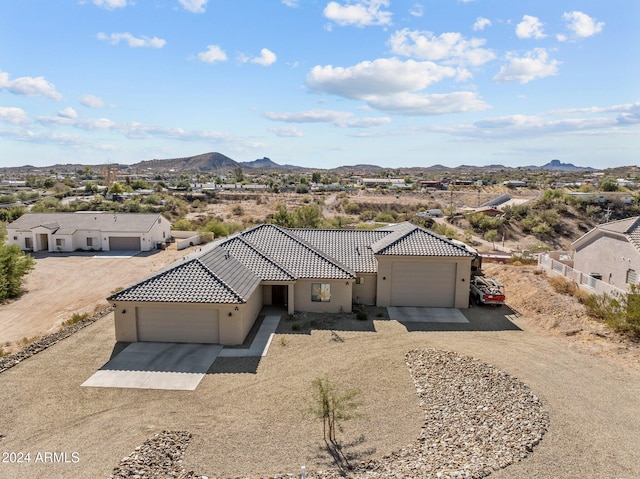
632,276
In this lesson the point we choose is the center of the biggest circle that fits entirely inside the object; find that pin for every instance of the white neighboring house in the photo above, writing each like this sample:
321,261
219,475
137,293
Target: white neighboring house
89,231
611,252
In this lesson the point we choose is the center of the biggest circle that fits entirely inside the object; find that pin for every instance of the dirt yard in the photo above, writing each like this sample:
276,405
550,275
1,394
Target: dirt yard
64,284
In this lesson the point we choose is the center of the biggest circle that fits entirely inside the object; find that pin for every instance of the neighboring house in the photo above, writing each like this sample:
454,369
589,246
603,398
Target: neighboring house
88,230
611,252
217,296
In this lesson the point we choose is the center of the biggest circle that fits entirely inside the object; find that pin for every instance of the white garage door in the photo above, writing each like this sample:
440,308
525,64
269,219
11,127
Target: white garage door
178,325
128,243
423,284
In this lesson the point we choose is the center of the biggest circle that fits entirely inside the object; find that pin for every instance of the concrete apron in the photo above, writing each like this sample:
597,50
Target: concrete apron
174,366
425,315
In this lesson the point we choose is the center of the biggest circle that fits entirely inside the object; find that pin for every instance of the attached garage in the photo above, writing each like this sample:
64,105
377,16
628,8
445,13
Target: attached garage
178,325
428,284
124,243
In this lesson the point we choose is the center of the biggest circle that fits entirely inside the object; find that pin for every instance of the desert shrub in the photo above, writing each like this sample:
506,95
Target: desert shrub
386,217
562,285
362,315
621,312
352,208
75,318
237,210
296,326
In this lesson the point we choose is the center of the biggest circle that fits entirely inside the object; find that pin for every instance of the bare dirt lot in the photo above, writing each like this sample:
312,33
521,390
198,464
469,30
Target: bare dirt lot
64,284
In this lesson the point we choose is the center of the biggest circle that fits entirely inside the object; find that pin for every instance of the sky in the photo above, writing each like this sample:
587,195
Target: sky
320,83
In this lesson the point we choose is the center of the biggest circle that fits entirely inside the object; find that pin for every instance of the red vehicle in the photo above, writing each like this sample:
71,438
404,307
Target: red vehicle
487,291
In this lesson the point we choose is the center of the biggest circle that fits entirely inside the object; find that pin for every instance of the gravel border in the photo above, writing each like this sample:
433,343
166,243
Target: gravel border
478,419
10,360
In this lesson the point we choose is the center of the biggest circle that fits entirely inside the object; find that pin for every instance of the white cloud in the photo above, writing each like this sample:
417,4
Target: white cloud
112,4
290,3
450,47
428,104
581,24
535,65
16,116
384,76
341,119
29,86
194,6
287,132
266,58
481,23
309,116
417,10
530,27
359,13
213,54
68,113
132,41
92,101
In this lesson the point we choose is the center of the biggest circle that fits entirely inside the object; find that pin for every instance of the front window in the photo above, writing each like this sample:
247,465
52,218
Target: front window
59,241
320,292
632,276
89,241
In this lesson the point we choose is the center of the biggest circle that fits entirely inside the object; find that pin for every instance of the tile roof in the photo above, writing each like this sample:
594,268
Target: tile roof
350,247
196,282
256,260
230,270
68,223
296,255
416,241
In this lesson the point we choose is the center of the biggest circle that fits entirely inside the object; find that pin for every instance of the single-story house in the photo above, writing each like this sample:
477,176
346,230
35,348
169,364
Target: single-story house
216,296
88,230
611,252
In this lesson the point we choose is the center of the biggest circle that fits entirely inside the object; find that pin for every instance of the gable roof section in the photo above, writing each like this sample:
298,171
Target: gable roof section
69,223
294,254
628,228
415,241
256,260
196,282
351,247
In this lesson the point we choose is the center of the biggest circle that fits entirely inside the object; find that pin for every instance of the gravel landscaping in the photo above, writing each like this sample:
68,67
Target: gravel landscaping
477,419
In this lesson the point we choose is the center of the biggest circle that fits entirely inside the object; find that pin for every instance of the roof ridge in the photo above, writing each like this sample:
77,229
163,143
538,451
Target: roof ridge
405,234
264,255
218,278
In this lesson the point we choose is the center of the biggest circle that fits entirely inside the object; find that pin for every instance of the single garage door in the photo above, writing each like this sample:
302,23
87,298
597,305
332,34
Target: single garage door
177,325
129,243
423,284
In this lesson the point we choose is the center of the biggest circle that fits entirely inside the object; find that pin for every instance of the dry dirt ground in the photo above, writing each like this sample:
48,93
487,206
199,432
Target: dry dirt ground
64,284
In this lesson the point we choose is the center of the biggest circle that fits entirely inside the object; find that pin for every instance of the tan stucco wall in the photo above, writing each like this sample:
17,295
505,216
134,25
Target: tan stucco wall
385,267
233,328
365,293
611,256
341,295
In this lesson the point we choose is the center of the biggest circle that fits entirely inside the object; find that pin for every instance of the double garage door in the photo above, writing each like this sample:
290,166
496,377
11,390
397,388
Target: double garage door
124,243
178,325
423,284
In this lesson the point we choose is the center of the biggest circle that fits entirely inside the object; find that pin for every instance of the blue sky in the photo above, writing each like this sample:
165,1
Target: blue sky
321,83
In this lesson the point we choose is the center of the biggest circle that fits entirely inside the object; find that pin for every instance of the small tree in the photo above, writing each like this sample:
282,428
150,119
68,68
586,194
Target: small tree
332,406
14,264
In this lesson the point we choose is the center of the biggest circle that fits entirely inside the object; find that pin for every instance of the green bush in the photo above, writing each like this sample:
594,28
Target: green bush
362,315
75,318
621,312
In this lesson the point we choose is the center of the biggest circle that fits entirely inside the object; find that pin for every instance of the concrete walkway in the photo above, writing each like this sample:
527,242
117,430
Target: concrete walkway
260,344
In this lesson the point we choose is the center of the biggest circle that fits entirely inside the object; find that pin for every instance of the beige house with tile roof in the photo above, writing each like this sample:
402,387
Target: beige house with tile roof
89,231
611,250
217,296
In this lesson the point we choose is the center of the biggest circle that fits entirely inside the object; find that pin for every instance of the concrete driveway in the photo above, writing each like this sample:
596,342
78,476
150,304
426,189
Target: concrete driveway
406,314
175,366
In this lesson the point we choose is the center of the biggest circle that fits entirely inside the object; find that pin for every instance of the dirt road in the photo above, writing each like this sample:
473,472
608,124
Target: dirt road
63,284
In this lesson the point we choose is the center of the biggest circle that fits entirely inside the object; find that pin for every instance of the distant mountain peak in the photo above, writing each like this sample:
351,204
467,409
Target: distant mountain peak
558,165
